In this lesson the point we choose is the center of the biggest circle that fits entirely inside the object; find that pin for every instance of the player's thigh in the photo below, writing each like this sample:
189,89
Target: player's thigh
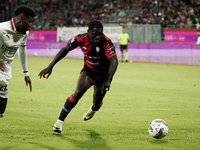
85,81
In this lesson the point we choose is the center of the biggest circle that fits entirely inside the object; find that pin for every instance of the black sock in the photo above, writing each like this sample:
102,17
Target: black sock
66,109
94,108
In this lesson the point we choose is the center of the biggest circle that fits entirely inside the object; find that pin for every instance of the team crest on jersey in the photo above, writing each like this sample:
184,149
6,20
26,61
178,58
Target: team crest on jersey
97,49
84,48
8,51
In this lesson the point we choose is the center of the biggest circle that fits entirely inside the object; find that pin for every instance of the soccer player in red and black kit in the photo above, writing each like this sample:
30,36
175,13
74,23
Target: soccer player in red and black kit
100,64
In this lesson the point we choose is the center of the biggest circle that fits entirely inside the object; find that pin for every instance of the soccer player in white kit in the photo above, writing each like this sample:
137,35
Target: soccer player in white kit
13,36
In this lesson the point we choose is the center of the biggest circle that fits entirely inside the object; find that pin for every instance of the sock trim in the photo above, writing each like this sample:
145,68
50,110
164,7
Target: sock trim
72,99
96,108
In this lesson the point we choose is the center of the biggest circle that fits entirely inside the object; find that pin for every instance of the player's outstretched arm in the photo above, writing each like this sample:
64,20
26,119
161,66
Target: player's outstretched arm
45,73
22,54
111,71
113,67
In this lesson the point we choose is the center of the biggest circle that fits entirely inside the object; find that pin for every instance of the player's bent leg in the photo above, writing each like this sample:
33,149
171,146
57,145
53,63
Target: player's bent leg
3,96
68,106
3,103
97,103
98,97
89,114
84,82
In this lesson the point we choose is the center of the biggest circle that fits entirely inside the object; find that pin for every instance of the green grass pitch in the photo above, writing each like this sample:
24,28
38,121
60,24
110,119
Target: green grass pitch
139,93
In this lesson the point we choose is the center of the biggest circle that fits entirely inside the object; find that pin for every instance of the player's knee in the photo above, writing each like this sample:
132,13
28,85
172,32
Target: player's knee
1,115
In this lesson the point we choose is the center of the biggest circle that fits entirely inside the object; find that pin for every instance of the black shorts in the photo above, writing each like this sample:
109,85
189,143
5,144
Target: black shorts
98,77
123,47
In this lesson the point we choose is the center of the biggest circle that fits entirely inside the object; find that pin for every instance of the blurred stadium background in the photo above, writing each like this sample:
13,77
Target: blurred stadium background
150,23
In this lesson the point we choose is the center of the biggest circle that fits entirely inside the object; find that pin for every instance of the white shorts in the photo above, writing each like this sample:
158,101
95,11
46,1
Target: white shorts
4,87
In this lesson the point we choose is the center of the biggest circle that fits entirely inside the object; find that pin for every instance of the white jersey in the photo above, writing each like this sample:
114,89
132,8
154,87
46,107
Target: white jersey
10,41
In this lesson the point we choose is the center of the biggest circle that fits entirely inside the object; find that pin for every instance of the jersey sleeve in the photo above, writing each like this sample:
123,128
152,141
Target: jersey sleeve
109,49
73,43
22,53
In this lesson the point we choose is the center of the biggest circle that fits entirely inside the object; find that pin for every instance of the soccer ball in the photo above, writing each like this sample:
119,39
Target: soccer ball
158,128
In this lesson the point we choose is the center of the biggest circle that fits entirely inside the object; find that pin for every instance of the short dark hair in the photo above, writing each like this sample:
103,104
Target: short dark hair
25,10
95,24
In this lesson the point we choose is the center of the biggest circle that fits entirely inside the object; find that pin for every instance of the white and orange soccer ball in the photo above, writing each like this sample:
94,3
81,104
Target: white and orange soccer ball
158,128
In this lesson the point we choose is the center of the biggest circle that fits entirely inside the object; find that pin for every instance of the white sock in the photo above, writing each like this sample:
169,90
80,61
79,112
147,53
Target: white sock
59,121
91,109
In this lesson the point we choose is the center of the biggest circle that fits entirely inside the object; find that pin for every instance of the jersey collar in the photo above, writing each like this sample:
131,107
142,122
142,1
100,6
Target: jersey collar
13,25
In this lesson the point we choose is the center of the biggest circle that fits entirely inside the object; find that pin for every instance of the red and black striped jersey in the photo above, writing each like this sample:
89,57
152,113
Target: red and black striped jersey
95,55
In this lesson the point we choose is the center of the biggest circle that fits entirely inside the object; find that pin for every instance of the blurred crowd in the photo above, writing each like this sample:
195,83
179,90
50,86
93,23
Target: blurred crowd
167,13
7,7
78,12
180,13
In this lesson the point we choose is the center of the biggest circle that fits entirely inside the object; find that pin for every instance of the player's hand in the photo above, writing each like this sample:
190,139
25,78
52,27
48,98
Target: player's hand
45,73
105,87
2,66
28,82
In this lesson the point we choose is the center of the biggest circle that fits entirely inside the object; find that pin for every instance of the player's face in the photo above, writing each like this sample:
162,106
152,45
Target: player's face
26,23
124,30
95,34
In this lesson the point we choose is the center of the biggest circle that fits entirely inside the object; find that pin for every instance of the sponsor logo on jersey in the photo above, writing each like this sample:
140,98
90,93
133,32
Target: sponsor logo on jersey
92,63
9,51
